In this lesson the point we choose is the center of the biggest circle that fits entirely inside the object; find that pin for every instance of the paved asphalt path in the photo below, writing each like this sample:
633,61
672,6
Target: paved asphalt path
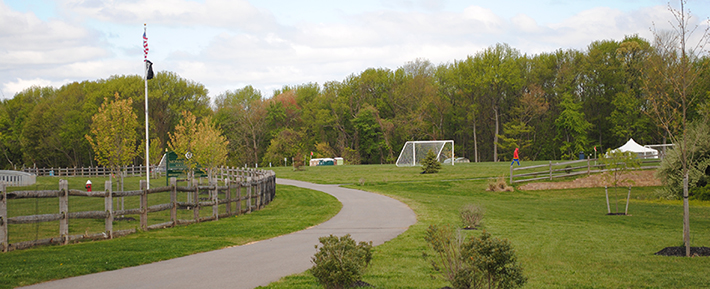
365,216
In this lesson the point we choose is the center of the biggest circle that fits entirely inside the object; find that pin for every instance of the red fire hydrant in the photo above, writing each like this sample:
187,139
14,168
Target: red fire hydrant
88,186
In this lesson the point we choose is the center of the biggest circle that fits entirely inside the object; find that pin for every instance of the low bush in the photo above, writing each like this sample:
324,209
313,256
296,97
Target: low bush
471,215
480,262
498,185
340,262
702,193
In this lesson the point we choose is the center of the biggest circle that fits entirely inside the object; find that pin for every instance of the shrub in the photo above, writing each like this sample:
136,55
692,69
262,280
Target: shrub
670,171
471,215
495,261
498,185
430,165
340,262
480,262
448,251
702,193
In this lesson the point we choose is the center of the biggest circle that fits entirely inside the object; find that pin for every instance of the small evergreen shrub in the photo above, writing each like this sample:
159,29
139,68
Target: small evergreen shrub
430,165
471,215
340,262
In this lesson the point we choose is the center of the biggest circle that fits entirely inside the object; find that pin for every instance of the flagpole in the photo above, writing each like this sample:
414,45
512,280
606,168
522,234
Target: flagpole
147,143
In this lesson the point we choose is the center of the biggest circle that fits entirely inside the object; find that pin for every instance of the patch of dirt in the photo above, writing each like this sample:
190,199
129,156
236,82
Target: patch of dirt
640,178
680,251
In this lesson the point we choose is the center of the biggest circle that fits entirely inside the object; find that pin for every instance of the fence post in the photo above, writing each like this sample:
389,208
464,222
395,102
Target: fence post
249,180
511,174
196,200
589,168
173,200
3,218
239,195
108,206
228,196
550,170
628,197
64,210
214,194
144,205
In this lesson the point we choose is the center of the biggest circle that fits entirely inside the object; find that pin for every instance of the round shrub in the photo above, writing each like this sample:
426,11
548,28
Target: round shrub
340,262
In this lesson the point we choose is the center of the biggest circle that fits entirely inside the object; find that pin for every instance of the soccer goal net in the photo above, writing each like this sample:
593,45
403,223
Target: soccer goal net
414,152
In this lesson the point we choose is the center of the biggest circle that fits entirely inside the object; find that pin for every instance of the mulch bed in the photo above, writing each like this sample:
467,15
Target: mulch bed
680,251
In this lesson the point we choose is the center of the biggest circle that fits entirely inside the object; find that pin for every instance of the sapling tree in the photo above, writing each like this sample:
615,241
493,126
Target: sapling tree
674,69
619,164
114,134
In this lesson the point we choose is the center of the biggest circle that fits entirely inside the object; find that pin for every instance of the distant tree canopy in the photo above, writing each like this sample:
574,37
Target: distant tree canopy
551,105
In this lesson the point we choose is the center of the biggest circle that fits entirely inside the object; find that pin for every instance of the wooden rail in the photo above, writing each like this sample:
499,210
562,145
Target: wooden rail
567,169
88,172
254,188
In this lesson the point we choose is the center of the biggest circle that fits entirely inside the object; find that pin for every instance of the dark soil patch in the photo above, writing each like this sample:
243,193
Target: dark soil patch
616,214
680,251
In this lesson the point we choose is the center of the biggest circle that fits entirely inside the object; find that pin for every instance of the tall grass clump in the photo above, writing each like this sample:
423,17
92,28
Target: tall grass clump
471,216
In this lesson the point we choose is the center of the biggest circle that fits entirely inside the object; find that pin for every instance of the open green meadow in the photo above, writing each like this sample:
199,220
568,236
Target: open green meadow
563,238
293,209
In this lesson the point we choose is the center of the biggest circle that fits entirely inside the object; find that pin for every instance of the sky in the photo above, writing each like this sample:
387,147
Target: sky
229,44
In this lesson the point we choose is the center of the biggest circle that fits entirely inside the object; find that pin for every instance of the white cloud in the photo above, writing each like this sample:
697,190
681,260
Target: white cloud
11,88
234,14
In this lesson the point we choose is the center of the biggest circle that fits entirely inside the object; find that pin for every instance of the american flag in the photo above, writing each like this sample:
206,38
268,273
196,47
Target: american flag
145,46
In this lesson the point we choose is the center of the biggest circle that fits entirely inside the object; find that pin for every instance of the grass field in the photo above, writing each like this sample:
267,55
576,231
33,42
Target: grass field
292,210
563,238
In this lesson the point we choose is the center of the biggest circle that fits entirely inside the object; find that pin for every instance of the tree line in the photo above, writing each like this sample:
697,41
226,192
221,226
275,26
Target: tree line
551,105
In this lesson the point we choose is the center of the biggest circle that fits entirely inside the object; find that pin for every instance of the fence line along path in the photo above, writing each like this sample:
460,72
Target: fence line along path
366,216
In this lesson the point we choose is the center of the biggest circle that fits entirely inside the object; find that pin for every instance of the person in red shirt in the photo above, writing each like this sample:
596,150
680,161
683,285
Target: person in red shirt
516,158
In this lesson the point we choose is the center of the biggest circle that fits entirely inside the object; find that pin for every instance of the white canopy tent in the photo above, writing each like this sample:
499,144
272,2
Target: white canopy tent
643,152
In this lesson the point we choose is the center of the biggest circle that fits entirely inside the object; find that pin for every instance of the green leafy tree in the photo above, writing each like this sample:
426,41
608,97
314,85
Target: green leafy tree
184,140
286,144
241,114
619,164
571,128
114,134
210,146
340,262
431,165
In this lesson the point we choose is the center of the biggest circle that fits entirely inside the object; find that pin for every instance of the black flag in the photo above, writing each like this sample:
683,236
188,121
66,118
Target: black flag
149,67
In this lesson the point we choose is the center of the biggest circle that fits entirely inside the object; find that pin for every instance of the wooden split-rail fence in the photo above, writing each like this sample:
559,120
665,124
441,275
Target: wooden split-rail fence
254,188
88,172
567,169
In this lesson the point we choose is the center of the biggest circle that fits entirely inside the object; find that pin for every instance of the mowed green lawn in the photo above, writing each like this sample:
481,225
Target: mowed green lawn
563,238
292,210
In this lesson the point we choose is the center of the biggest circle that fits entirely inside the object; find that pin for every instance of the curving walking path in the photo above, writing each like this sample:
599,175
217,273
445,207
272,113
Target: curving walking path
365,216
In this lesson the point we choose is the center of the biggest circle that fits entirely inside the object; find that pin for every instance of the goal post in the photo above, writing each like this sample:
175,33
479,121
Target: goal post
413,152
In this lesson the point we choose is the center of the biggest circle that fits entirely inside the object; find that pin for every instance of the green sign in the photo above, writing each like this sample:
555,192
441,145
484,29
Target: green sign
176,168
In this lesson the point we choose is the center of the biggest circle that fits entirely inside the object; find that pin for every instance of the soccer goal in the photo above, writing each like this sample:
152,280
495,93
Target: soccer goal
414,152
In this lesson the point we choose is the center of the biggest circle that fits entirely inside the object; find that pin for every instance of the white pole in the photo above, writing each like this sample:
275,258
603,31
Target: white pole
147,144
